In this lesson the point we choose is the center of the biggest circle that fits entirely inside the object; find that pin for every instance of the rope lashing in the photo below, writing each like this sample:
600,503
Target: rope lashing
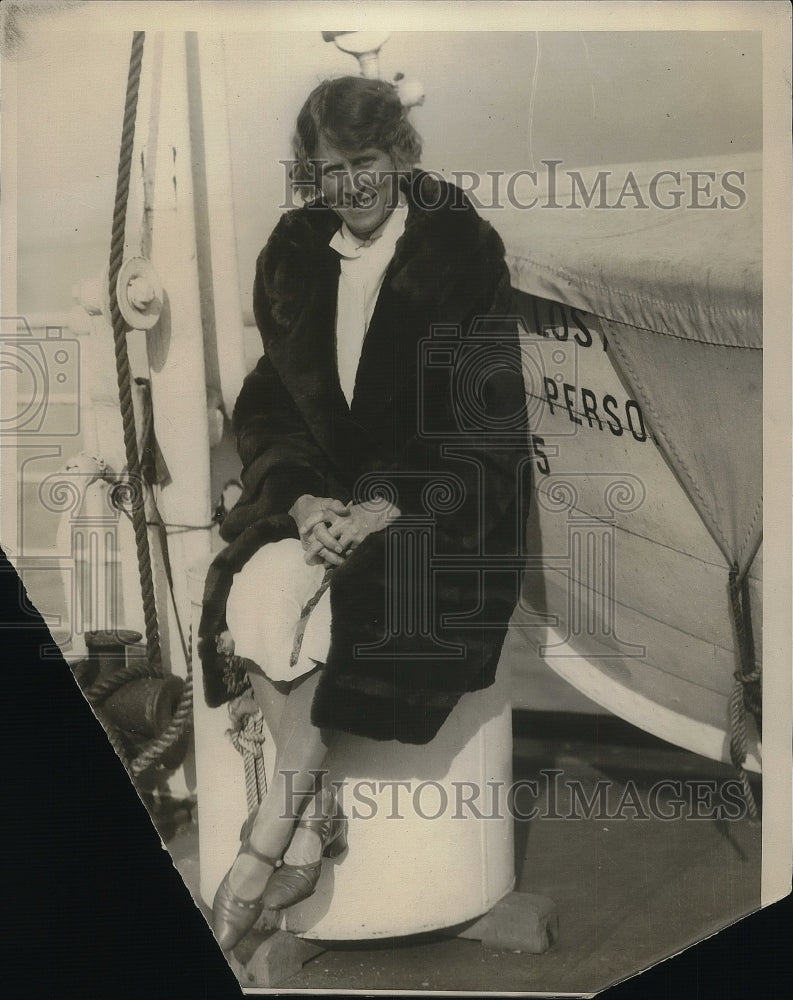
117,240
746,691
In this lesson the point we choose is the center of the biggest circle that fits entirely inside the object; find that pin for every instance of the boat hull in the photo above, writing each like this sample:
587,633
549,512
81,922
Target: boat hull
626,592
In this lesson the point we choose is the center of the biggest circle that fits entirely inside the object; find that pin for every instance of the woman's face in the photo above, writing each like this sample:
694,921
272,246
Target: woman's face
359,185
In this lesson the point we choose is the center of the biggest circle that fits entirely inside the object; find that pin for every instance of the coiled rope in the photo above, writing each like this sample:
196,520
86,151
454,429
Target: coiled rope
98,692
180,722
746,691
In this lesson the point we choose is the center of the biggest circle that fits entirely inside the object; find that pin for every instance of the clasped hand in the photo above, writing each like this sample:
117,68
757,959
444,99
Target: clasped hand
329,530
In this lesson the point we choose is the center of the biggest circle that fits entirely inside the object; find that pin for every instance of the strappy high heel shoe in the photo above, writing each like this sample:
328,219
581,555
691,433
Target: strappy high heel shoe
233,917
290,884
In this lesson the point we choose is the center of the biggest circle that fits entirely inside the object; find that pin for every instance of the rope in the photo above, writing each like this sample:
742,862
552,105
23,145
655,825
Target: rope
746,689
182,717
137,473
752,680
183,713
247,736
101,690
180,529
261,778
251,785
304,615
116,740
152,751
117,240
150,477
247,739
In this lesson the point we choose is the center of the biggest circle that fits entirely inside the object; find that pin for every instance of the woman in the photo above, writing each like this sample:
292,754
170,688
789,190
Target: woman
386,418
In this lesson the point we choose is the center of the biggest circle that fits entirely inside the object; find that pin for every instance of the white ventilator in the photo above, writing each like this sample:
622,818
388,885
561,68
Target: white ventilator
430,831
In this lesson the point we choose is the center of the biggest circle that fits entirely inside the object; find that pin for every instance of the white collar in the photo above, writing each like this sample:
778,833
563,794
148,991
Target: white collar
351,247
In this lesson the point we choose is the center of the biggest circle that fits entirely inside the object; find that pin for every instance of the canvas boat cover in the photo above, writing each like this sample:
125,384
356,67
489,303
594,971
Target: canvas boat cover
678,291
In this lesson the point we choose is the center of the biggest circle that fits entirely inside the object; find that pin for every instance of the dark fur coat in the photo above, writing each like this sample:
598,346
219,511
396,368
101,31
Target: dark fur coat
437,421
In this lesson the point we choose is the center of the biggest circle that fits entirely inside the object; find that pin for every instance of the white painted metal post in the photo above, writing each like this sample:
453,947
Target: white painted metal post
176,344
223,327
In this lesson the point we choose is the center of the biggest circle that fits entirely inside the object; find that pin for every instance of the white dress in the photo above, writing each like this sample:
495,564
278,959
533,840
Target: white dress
264,607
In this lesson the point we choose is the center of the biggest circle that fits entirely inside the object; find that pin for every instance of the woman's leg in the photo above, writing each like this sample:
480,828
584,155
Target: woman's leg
263,612
264,609
301,750
271,698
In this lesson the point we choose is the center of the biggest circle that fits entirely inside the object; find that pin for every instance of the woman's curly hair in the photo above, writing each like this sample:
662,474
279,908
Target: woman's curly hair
352,112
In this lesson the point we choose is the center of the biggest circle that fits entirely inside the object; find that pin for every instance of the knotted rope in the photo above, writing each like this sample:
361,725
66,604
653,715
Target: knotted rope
747,690
247,734
247,738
